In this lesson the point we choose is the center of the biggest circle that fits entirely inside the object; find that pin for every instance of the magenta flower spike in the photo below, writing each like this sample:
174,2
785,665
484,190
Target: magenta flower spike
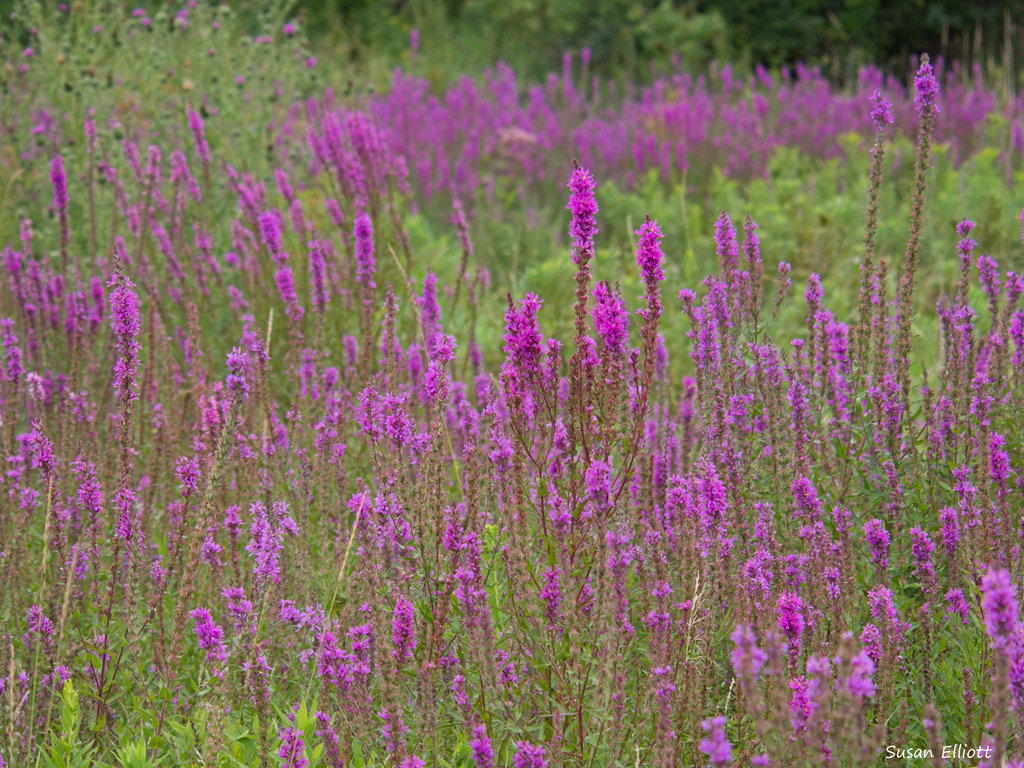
648,253
202,148
881,113
611,321
270,232
529,755
292,750
480,746
583,206
403,630
1000,607
927,88
60,185
365,263
125,325
716,746
319,285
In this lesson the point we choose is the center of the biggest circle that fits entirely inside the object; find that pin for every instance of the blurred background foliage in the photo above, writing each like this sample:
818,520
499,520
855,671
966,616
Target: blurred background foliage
631,39
628,37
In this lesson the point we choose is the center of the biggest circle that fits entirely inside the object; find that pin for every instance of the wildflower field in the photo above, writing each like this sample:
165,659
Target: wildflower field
361,421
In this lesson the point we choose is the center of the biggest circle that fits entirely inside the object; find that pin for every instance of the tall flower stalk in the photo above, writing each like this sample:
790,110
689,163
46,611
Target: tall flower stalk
881,116
927,105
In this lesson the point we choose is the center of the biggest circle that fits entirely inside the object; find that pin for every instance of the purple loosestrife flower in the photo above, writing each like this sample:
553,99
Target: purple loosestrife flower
648,253
881,113
368,143
755,271
334,211
153,158
270,232
619,560
529,755
195,125
60,185
365,264
472,597
965,249
988,273
583,206
292,751
209,634
805,499
747,658
232,522
124,502
13,356
239,607
922,547
727,247
124,322
131,153
237,362
927,88
286,285
999,462
403,629
394,730
551,594
802,705
882,608
789,610
598,482
13,263
60,203
716,746
950,530
461,694
648,258
318,275
90,494
858,683
284,184
878,539
40,451
40,628
430,311
265,544
258,678
957,606
524,348
963,229
506,669
181,173
611,321
437,381
1000,608
332,743
871,639
480,745
1017,334
297,217
187,471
